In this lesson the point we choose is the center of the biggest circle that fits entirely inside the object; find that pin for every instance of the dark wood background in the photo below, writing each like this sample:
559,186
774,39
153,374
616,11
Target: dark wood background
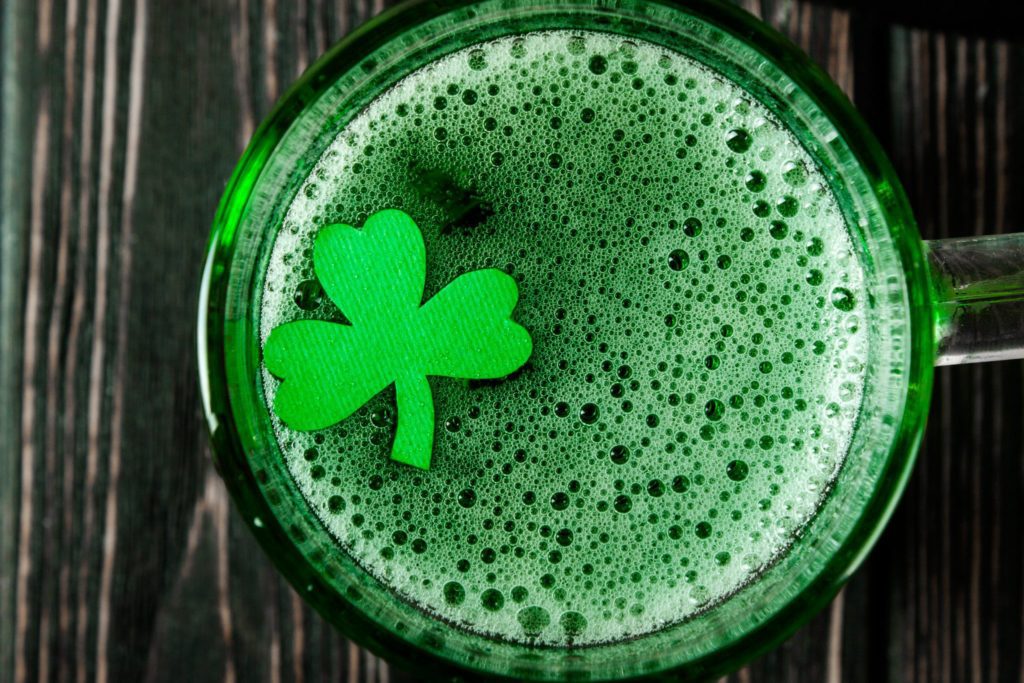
121,557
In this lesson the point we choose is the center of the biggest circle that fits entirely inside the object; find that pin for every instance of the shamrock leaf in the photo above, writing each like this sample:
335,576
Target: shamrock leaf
375,276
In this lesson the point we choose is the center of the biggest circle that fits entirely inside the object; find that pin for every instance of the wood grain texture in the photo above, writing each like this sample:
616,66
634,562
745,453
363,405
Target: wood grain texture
121,557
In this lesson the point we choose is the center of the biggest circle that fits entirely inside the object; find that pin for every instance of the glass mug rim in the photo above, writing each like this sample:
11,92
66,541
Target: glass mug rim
231,444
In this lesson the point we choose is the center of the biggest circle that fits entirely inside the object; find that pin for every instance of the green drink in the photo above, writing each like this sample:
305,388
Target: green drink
690,287
554,340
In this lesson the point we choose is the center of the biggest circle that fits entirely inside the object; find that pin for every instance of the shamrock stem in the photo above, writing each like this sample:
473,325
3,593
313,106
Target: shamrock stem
414,437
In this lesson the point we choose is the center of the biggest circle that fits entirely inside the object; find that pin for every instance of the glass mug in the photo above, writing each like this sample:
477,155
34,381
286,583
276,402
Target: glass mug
920,304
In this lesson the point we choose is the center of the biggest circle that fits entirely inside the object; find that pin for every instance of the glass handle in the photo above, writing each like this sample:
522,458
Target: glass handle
978,285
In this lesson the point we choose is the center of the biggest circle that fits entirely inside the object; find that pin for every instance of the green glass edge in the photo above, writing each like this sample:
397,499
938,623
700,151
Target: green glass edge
229,453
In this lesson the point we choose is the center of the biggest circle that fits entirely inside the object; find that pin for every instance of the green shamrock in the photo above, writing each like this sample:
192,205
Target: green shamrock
375,276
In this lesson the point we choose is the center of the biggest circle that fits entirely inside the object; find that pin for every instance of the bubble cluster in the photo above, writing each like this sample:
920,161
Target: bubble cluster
694,302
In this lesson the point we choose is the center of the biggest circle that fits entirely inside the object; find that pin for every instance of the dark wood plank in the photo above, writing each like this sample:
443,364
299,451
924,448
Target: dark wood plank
15,155
121,558
125,560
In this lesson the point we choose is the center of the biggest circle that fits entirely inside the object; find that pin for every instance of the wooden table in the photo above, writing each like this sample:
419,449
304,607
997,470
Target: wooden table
121,557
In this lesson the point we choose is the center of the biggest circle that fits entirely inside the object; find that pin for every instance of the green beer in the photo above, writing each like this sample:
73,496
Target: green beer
696,309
